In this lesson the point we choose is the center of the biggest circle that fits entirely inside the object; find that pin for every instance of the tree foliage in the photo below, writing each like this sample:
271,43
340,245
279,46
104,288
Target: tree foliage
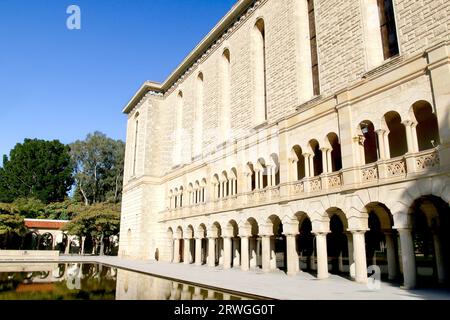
11,225
98,168
36,169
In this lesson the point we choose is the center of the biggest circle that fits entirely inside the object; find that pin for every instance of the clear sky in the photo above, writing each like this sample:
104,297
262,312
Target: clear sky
57,83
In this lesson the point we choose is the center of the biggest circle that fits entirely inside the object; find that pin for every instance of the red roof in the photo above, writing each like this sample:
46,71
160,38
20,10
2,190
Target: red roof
45,224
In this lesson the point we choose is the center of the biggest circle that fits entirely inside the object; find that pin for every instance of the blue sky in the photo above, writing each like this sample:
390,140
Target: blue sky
62,84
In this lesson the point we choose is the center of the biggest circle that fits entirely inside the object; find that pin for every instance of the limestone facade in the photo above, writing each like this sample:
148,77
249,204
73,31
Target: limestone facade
247,156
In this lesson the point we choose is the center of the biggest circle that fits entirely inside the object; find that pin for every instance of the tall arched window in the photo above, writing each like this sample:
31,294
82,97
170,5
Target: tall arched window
179,126
198,128
388,28
313,44
225,121
334,157
260,93
136,138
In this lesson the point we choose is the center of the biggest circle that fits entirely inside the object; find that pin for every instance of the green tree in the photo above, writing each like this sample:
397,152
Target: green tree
99,221
11,226
36,169
98,168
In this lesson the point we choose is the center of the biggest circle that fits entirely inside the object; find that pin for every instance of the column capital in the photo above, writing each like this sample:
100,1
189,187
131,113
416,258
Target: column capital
243,236
291,234
359,231
325,149
408,123
320,233
265,235
380,131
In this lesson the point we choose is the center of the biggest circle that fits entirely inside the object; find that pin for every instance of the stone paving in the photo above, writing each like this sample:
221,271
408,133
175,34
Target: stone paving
277,285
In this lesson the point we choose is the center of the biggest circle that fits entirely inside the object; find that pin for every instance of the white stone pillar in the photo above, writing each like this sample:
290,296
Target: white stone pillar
176,251
359,254
292,256
306,158
408,258
387,149
245,261
198,251
227,252
269,176
391,260
311,165
324,160
187,251
414,137
409,137
438,254
211,252
381,144
265,253
322,255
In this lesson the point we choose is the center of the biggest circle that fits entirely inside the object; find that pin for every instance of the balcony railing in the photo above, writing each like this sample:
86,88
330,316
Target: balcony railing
391,169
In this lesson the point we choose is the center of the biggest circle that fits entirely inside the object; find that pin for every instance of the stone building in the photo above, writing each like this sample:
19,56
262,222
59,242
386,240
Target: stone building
300,135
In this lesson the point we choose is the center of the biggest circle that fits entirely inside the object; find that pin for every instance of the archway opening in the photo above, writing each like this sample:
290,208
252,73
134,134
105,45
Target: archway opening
430,219
371,153
299,162
397,134
305,243
317,158
337,242
427,126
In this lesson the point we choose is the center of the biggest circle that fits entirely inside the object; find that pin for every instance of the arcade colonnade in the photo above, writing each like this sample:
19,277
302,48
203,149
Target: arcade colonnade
405,245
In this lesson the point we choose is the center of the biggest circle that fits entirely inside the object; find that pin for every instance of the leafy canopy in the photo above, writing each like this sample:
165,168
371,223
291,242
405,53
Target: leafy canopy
36,169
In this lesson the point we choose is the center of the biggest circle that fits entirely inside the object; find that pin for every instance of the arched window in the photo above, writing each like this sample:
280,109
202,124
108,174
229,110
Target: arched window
225,121
260,94
252,176
388,28
397,134
370,142
335,158
262,174
427,126
300,162
181,197
317,158
275,170
198,128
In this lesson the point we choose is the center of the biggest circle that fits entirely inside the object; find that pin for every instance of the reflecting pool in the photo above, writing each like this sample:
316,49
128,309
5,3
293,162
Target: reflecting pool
83,281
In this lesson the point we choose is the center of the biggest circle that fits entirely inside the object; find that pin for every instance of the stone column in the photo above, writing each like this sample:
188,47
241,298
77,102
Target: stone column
324,160
306,158
245,261
265,253
391,261
359,254
438,253
176,251
187,251
198,251
381,144
311,165
269,176
408,258
414,137
409,137
387,149
211,252
292,256
227,252
322,255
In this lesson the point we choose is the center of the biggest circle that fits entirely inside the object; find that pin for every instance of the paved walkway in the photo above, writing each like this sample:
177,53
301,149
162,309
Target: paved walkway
275,285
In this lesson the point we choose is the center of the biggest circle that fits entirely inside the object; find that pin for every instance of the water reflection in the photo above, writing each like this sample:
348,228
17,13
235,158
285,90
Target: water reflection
77,281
